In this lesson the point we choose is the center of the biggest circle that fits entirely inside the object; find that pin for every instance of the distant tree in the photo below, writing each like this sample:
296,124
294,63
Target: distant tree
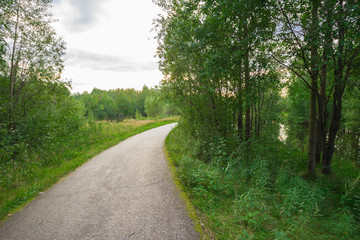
118,104
154,105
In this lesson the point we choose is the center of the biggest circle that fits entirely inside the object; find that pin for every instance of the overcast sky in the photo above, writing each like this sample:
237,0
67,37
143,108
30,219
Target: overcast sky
109,43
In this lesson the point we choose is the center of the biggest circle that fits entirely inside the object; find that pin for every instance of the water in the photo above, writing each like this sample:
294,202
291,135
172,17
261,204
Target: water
282,132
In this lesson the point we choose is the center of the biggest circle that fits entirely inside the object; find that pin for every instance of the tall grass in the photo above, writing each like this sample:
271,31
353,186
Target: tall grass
265,196
37,168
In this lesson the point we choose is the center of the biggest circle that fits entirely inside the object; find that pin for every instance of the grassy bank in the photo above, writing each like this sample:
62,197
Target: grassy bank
36,169
266,196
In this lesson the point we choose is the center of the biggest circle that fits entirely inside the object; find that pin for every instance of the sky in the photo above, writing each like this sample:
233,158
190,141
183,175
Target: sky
109,43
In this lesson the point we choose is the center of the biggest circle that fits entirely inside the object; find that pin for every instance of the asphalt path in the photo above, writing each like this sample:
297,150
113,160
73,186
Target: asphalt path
126,192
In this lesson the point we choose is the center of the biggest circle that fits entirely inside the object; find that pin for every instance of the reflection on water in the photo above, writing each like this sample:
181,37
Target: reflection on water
282,133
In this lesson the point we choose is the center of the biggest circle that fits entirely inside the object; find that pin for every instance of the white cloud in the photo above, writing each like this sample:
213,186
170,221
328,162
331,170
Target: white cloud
109,39
109,79
108,62
80,14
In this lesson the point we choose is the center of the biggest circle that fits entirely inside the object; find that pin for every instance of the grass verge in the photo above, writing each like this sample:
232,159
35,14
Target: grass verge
38,169
265,197
192,213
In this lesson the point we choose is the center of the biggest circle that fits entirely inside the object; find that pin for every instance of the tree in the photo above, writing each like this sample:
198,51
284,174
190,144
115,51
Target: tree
350,140
221,68
33,56
216,72
117,104
35,104
310,29
4,11
346,48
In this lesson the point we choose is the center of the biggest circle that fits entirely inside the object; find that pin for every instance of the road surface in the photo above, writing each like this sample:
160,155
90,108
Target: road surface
126,192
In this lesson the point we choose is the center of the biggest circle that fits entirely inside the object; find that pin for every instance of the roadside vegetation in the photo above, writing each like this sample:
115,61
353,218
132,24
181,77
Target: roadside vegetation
34,169
119,104
265,197
45,131
240,72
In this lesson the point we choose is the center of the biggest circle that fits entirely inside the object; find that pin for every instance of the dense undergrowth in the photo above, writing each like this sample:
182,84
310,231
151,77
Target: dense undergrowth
265,196
36,168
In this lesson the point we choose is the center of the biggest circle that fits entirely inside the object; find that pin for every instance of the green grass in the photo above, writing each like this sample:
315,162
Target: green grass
267,197
189,207
35,170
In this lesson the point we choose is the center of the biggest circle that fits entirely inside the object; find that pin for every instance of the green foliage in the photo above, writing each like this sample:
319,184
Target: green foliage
349,141
264,197
120,104
113,104
351,196
38,108
297,108
154,107
252,209
300,197
205,67
33,169
138,115
44,132
222,62
55,120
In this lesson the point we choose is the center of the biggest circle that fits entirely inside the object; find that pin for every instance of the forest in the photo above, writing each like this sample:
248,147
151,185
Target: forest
119,104
35,103
241,72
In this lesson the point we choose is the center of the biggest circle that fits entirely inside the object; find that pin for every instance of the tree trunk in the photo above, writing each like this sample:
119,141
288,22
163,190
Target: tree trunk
240,100
247,87
259,106
13,73
334,128
240,112
322,102
312,131
318,141
313,90
339,88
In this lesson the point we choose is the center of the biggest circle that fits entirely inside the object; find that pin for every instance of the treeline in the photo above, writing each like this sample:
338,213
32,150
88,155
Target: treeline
35,104
239,70
125,103
37,109
45,131
225,63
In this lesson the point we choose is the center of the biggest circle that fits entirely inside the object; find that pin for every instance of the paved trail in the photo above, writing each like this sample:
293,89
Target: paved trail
125,192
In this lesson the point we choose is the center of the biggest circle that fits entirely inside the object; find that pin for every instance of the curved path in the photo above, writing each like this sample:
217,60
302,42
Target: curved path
126,192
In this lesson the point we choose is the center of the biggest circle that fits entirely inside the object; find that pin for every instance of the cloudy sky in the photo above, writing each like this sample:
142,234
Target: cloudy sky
109,43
